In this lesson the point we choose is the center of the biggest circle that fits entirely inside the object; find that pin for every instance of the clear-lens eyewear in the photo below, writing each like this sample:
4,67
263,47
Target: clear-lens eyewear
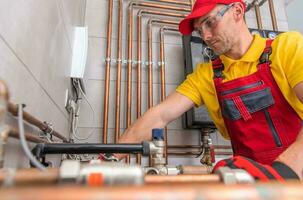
212,22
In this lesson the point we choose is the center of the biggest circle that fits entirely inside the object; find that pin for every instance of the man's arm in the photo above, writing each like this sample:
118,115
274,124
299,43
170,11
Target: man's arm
157,117
293,156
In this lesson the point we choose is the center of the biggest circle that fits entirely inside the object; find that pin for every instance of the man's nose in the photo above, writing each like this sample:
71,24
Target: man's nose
206,34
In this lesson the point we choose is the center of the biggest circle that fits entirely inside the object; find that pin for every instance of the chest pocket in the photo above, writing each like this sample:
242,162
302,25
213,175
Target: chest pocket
244,105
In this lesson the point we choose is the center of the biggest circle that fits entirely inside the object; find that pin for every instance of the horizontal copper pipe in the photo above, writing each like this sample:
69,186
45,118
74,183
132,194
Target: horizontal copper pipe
189,191
174,2
197,146
28,136
30,177
204,169
158,6
191,153
13,109
154,179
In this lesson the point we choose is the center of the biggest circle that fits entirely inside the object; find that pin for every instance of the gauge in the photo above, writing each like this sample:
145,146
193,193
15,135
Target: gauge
272,35
255,32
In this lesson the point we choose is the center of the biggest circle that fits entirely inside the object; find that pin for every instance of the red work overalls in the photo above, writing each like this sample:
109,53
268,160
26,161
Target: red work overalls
259,120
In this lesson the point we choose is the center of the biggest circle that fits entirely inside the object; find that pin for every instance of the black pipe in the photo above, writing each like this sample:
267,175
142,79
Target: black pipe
90,148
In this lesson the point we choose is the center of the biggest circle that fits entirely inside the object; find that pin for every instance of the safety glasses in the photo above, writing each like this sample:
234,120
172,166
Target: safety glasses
211,22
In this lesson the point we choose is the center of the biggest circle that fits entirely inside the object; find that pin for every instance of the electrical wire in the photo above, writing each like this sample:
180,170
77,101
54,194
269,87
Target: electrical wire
75,114
25,148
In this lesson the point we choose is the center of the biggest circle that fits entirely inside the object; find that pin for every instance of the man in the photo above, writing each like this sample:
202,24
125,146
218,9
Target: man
253,90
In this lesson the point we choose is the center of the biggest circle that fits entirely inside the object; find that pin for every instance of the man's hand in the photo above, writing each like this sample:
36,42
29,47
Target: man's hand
277,171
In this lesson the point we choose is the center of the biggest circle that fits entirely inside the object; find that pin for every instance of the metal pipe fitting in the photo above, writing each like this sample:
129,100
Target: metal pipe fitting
234,176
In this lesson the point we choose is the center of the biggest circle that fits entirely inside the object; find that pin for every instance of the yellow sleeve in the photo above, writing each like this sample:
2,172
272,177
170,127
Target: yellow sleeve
189,88
292,60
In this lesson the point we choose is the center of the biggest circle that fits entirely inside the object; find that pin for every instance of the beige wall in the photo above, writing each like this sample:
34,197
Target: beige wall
35,56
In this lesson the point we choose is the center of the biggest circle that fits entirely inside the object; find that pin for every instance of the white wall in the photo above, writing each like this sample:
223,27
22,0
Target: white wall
294,14
35,55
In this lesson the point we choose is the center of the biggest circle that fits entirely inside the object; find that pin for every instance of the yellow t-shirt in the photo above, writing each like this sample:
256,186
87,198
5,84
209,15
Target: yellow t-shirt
286,67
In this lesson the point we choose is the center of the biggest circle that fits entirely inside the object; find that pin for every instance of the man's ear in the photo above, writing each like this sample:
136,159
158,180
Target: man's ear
238,11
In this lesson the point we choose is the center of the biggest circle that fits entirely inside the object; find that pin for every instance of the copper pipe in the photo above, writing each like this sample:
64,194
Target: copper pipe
130,37
163,90
196,153
129,63
175,2
139,66
162,74
178,179
118,80
197,147
13,109
150,56
158,6
107,70
30,177
258,15
204,169
150,66
4,94
150,71
28,136
259,191
273,15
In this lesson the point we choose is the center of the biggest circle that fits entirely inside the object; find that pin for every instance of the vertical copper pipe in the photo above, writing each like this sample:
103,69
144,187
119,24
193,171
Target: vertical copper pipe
107,70
163,90
129,64
150,65
139,60
258,15
118,80
273,15
129,69
162,74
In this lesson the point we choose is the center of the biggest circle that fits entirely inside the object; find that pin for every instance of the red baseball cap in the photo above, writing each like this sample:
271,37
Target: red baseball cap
201,8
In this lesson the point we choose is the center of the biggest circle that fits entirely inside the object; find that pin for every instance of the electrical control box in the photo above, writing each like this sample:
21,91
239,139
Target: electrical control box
196,51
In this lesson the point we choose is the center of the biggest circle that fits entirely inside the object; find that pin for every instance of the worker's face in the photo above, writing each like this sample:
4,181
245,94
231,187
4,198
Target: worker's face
217,28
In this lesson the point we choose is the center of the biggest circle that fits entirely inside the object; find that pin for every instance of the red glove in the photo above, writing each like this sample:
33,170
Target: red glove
277,171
